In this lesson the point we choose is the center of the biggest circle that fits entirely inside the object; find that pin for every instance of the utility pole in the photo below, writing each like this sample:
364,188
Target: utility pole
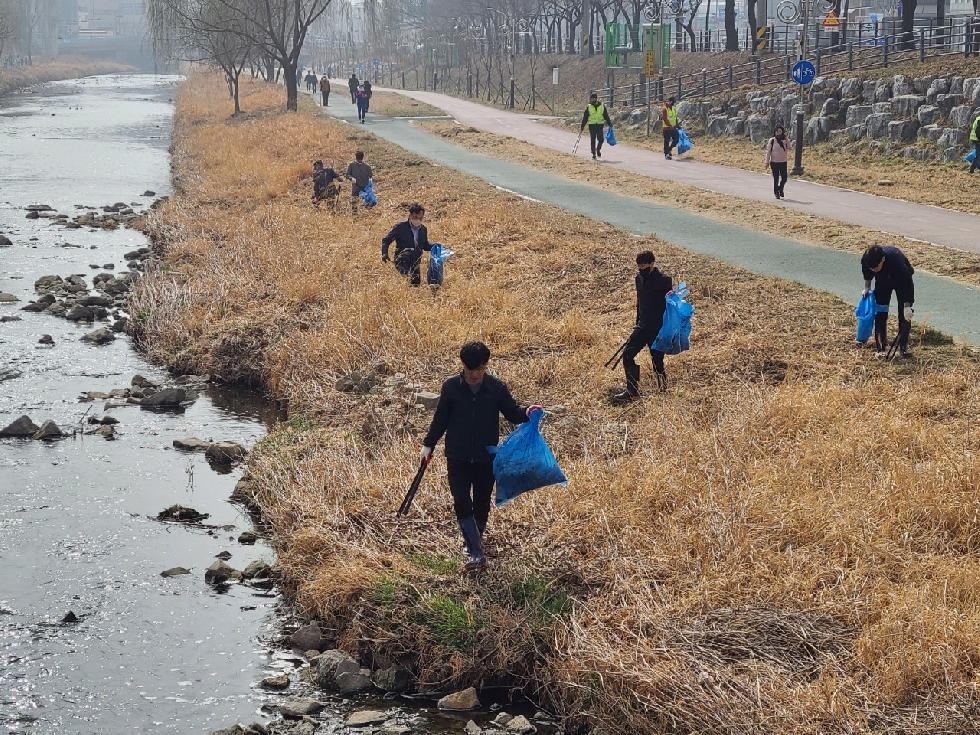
804,42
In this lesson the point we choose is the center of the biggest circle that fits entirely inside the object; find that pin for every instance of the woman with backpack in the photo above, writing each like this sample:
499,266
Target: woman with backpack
777,153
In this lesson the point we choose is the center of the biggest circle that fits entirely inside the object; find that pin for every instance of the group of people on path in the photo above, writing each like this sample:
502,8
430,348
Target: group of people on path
596,116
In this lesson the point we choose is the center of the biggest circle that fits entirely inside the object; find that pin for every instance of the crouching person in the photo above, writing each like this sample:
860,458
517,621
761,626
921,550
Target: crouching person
468,411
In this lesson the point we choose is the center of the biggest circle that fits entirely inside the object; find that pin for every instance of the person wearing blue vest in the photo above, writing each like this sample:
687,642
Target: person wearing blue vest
975,139
595,116
891,271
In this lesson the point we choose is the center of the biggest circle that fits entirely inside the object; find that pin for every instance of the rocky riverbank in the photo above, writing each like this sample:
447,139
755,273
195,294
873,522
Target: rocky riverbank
709,568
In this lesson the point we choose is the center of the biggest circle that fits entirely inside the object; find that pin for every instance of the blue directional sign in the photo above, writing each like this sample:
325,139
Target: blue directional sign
804,72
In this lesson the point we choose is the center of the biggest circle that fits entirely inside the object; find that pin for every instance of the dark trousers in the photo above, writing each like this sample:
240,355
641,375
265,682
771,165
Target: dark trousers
407,263
595,138
640,338
326,96
471,484
883,295
353,96
976,161
670,140
779,175
362,108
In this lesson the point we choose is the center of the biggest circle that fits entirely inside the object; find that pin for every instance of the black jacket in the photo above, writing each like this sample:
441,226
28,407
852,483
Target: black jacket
401,235
895,273
470,420
651,298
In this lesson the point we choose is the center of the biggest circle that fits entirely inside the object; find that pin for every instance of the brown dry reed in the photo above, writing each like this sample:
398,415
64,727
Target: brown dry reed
787,542
68,67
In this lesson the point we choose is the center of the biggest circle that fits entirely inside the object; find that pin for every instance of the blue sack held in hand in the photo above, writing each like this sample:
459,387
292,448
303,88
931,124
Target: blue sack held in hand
684,143
610,136
971,156
865,312
524,461
674,336
437,264
367,194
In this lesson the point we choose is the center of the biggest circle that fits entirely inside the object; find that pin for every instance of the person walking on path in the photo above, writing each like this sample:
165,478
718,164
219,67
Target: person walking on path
468,412
325,89
668,117
362,102
777,153
891,271
975,139
652,288
359,174
352,86
595,116
368,91
410,238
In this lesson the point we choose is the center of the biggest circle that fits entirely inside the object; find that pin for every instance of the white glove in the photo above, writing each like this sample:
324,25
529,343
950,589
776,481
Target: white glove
907,312
425,455
865,292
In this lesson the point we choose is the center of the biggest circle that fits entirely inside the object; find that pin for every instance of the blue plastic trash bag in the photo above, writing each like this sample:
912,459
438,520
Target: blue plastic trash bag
675,332
971,156
524,461
684,143
610,136
437,264
367,194
865,312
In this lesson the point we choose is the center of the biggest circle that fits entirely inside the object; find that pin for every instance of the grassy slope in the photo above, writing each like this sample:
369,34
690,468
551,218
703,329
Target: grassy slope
55,69
787,542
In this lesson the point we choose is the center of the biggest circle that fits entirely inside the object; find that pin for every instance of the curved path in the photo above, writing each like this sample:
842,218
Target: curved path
918,221
942,303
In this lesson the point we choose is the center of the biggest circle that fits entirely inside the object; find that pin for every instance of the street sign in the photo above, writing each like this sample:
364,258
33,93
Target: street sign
788,11
804,72
554,75
831,20
650,63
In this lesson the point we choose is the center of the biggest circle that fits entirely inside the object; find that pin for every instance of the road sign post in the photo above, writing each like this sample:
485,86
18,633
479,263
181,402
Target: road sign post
803,74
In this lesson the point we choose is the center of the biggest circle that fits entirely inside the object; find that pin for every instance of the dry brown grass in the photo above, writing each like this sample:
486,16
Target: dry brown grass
963,266
390,104
54,69
785,543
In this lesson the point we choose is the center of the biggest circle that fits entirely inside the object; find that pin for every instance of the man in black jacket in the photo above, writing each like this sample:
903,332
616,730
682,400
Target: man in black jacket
410,238
652,288
468,414
891,271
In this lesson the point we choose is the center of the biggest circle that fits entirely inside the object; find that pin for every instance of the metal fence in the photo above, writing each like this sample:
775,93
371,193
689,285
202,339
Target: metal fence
957,38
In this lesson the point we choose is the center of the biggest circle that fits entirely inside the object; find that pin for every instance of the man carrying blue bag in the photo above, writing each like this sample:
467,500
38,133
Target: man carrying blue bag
468,412
652,288
891,271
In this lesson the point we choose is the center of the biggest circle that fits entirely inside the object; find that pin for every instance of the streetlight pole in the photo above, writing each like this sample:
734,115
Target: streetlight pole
804,42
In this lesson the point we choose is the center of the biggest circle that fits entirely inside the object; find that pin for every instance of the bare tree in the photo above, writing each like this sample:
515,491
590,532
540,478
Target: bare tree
687,11
731,31
276,28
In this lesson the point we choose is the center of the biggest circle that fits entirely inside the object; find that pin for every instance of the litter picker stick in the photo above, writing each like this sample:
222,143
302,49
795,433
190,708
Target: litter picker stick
613,361
412,489
903,331
575,147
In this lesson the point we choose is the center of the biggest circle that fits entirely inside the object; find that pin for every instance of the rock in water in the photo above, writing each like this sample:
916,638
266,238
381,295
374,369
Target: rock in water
473,729
297,708
191,444
366,717
521,726
174,572
100,336
218,573
70,617
7,298
460,701
277,683
166,398
225,453
247,537
20,427
5,242
46,339
49,430
9,374
306,638
181,514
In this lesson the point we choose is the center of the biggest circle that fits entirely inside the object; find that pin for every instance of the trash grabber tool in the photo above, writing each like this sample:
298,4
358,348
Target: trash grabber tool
613,361
412,489
575,147
893,347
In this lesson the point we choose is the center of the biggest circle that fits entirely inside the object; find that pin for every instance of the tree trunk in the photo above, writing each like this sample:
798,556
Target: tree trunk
908,22
289,77
731,33
234,86
753,24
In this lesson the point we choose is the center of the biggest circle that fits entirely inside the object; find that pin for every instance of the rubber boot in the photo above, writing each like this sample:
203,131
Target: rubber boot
474,544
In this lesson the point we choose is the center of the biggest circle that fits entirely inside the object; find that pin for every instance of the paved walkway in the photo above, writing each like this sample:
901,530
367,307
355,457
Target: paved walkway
942,303
918,221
